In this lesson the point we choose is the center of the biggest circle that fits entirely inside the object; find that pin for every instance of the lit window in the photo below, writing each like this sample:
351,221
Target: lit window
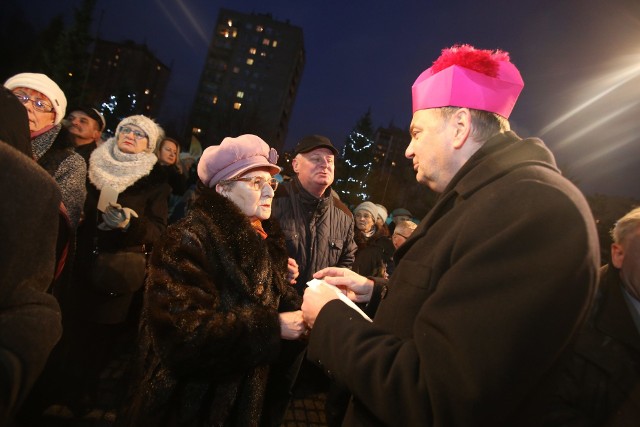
70,74
240,94
263,54
266,42
252,51
275,43
146,91
215,99
259,28
225,34
158,68
237,105
230,23
236,70
197,131
235,33
250,61
117,56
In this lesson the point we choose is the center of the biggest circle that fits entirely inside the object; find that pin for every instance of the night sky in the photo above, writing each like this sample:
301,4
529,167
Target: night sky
580,60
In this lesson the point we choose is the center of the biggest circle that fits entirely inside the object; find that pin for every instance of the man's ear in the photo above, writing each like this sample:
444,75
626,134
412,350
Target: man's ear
220,189
461,122
617,255
295,164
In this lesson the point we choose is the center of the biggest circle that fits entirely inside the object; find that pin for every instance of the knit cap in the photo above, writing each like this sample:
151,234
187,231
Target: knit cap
152,129
44,85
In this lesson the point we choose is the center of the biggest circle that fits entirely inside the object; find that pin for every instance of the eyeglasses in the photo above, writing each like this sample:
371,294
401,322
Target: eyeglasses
38,104
138,135
257,182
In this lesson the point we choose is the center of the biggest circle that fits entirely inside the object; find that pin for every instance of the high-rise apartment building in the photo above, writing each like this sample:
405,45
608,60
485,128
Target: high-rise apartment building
250,79
129,72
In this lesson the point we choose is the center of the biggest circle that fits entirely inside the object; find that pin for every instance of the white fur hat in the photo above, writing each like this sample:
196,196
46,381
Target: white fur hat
44,85
152,129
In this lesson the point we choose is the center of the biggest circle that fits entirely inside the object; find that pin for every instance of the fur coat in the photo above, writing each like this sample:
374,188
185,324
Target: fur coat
210,325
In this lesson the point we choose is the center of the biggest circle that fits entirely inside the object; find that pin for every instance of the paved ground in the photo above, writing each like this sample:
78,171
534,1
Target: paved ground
303,412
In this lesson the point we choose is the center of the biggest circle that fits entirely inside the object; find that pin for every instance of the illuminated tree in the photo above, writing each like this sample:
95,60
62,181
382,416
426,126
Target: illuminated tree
357,159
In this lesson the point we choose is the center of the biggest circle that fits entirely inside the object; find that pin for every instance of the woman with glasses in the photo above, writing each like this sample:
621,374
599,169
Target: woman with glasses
50,142
125,214
375,249
217,300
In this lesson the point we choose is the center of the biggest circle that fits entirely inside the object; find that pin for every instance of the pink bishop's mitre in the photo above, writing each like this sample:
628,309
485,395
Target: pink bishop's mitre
459,86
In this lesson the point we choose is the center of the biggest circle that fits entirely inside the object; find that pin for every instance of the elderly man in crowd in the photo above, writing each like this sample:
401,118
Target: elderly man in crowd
489,290
85,125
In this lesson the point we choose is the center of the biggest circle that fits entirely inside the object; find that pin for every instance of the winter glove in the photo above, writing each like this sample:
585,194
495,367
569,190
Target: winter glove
116,217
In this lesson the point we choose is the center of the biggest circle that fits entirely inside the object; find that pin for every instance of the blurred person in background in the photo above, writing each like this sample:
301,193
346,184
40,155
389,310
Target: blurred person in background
402,232
30,322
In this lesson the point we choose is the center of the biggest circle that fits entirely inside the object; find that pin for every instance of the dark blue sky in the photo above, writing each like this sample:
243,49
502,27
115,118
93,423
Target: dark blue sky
580,60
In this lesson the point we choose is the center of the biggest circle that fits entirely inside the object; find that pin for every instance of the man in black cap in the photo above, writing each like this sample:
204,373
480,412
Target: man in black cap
319,231
85,125
317,225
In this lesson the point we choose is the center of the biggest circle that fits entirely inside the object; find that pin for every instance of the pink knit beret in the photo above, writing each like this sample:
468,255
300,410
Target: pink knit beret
235,156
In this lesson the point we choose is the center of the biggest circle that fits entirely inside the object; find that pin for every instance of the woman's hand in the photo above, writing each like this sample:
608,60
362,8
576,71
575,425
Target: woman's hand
292,325
293,272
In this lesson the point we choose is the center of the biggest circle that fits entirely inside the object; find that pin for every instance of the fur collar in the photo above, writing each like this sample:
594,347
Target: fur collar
110,166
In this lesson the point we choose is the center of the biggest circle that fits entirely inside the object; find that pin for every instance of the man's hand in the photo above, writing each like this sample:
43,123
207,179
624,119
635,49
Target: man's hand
358,288
314,300
292,325
293,273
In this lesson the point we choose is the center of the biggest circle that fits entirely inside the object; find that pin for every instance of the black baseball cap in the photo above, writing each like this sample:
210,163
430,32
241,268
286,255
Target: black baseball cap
91,112
311,142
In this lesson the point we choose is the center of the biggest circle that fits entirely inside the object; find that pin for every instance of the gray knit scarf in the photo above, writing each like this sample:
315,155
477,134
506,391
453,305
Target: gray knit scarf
110,166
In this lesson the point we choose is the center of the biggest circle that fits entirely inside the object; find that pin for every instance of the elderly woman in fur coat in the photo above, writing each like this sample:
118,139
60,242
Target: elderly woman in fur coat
217,299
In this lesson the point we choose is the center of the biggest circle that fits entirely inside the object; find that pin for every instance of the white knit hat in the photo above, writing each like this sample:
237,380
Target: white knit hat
152,129
382,212
44,85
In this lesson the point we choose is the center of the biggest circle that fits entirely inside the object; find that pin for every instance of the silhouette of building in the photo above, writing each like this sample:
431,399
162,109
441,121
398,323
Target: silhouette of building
130,72
250,79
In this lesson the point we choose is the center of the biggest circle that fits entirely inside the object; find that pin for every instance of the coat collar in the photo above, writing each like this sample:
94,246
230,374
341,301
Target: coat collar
500,155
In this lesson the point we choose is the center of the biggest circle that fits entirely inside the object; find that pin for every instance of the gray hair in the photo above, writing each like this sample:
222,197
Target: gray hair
406,225
484,124
626,226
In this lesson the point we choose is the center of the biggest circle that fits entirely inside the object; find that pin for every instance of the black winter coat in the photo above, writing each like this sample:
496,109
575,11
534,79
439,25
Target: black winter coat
148,197
30,322
487,293
600,381
375,254
210,323
319,232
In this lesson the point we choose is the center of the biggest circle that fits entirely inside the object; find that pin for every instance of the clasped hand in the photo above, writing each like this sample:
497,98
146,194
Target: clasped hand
116,217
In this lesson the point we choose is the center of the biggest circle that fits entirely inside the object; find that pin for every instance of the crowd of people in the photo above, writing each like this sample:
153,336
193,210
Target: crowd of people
494,309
